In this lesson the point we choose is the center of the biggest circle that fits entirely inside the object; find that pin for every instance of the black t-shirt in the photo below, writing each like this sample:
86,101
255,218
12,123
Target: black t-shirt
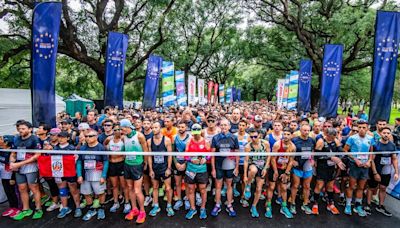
383,159
103,137
267,125
234,127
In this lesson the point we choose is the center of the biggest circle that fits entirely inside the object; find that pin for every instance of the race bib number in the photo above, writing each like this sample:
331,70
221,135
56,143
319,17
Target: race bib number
89,164
158,159
283,160
305,157
330,163
21,156
191,175
362,156
130,157
259,163
180,158
386,160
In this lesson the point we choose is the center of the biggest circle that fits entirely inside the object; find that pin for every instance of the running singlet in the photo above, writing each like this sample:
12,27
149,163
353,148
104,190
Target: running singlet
159,161
208,137
196,147
170,134
272,140
383,162
258,160
132,144
112,146
303,145
149,136
325,162
242,145
180,145
282,161
29,143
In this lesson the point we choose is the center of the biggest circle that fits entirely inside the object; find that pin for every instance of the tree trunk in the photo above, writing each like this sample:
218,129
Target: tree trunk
315,95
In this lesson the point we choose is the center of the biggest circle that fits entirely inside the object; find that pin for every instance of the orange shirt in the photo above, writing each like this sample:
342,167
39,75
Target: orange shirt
170,134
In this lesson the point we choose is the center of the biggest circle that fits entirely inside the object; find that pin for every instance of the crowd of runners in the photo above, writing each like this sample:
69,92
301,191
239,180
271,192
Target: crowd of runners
343,183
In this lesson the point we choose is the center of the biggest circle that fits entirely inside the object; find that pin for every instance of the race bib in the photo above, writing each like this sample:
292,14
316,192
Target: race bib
305,157
362,156
158,159
330,163
130,157
283,160
57,179
191,175
386,160
21,156
89,164
180,158
259,163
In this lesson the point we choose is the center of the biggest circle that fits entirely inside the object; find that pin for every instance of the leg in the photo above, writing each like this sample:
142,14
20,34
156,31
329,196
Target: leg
36,194
115,189
306,190
257,193
73,188
168,190
192,189
131,190
155,184
229,191
64,199
178,184
294,188
23,191
124,188
203,193
139,194
218,187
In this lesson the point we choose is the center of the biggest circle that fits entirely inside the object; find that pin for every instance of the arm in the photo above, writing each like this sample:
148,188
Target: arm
396,167
169,149
149,161
268,159
275,148
246,162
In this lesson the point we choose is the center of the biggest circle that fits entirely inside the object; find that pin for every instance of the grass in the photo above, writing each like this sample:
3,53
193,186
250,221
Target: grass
393,114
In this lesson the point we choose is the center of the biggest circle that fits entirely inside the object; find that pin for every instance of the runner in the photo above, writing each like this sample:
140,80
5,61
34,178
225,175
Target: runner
234,121
148,134
256,167
169,130
224,168
326,169
196,172
358,166
160,168
381,170
243,138
133,170
302,169
92,173
108,130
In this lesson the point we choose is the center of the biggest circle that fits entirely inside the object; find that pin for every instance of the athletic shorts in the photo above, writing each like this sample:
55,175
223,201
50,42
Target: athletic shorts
271,175
200,178
160,175
116,169
88,187
237,179
325,173
259,171
227,174
30,178
133,172
303,174
358,172
385,180
69,179
176,172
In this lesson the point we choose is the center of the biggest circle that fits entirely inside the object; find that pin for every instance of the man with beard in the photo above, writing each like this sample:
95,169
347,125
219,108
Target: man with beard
234,122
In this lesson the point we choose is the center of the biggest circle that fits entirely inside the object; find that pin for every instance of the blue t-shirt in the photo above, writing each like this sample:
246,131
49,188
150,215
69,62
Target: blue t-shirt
304,145
360,144
224,143
94,166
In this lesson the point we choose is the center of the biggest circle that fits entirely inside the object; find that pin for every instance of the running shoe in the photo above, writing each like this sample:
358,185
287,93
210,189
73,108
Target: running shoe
155,210
315,209
114,207
187,205
38,214
64,212
236,193
53,207
293,209
43,199
77,213
286,212
332,209
170,211
96,203
216,211
247,192
254,212
262,197
132,214
48,203
231,211
147,201
127,208
14,213
121,199
178,205
360,211
109,198
383,210
342,201
223,192
306,209
368,210
101,214
268,212
161,191
83,204
89,214
22,214
198,199
347,210
375,199
190,214
203,213
279,200
244,203
8,212
141,218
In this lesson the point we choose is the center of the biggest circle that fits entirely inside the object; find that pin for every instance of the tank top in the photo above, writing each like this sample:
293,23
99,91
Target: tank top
272,140
282,161
196,147
208,137
242,145
133,144
325,161
159,161
258,160
180,145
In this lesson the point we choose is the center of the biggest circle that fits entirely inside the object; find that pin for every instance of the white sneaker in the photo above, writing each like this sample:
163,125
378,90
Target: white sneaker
114,207
127,208
208,188
147,201
53,207
198,199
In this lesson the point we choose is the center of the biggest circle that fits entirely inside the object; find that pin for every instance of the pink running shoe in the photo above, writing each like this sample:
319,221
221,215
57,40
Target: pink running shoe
8,212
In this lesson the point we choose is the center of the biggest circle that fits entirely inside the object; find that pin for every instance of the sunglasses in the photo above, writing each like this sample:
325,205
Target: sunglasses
41,134
355,131
108,125
90,136
196,129
211,121
254,136
117,129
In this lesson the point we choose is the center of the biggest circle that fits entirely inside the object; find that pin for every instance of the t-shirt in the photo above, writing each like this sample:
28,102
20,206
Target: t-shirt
225,143
304,145
242,145
103,137
234,127
360,144
383,162
196,147
180,145
32,142
267,126
94,166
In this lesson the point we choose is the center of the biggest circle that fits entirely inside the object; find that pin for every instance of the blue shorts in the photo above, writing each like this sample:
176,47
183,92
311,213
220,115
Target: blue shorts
302,174
227,174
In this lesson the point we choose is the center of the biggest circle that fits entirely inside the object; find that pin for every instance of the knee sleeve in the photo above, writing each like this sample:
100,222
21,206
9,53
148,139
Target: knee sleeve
63,192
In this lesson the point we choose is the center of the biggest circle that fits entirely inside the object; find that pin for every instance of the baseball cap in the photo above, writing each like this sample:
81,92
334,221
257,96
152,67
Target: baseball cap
83,126
63,134
362,121
8,140
68,121
126,123
55,131
196,129
136,115
321,119
258,118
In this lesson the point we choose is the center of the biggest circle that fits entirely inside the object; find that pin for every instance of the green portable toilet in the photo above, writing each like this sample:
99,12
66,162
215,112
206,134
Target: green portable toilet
76,103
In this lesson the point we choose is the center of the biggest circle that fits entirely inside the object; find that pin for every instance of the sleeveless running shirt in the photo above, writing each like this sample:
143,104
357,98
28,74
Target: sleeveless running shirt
258,160
282,161
159,161
131,143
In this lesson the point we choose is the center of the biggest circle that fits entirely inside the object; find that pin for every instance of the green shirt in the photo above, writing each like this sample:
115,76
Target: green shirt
132,143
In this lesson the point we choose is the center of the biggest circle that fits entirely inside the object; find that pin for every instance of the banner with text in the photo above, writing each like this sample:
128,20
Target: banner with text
180,88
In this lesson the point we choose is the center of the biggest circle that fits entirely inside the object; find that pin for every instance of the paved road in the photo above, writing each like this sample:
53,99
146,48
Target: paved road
223,220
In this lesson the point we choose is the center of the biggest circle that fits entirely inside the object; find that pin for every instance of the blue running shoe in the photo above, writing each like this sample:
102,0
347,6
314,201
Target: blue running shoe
279,200
170,211
247,192
254,212
286,212
191,213
347,210
360,211
178,205
236,193
231,211
268,212
101,214
64,212
77,213
155,210
203,213
216,211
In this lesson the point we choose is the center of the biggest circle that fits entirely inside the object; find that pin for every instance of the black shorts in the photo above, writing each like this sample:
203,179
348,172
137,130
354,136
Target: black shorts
271,175
227,174
238,178
69,179
259,171
326,173
160,175
176,172
385,180
133,172
200,178
116,169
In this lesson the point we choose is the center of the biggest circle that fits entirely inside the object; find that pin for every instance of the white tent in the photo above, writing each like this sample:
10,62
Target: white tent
15,104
